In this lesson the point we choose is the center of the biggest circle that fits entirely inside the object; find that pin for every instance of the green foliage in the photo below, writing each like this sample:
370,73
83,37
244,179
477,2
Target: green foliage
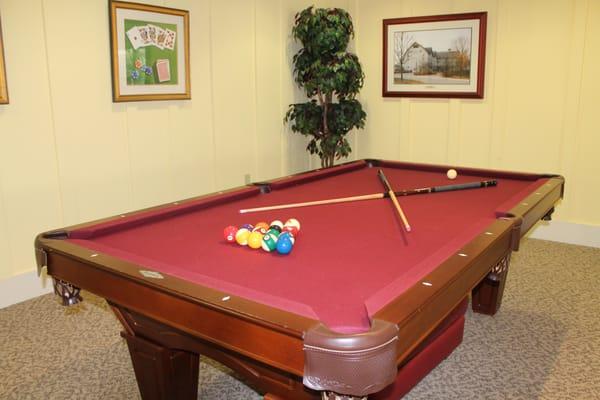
326,71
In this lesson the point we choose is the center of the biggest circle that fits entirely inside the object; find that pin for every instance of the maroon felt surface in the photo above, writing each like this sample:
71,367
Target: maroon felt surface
349,260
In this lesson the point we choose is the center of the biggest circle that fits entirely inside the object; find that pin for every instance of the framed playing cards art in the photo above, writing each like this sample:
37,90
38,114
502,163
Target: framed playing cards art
150,52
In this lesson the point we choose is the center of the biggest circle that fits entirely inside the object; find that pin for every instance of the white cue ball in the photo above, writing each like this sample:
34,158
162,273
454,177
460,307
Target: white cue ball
451,174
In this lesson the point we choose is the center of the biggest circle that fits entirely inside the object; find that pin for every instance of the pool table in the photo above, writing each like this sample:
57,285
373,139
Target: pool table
359,308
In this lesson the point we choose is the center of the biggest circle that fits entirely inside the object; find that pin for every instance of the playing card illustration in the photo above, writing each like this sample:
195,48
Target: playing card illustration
144,35
163,70
170,39
134,37
158,36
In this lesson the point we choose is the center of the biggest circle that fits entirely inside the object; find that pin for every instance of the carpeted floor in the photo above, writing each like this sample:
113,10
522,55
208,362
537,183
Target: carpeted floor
543,344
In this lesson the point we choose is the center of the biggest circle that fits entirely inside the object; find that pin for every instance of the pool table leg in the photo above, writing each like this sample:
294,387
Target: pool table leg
163,373
487,295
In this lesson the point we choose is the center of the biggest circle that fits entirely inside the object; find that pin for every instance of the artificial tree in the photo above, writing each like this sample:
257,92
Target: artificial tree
331,78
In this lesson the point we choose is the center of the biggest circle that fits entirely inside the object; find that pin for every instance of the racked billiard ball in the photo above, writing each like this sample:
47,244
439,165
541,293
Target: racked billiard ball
284,244
259,229
255,240
274,231
269,242
287,235
292,222
290,229
262,224
248,226
241,236
277,223
229,233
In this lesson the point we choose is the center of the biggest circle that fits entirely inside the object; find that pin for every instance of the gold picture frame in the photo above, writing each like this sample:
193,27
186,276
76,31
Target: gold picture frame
150,54
3,84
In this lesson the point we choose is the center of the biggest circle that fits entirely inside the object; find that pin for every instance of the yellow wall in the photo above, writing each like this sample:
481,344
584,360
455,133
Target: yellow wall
541,110
69,154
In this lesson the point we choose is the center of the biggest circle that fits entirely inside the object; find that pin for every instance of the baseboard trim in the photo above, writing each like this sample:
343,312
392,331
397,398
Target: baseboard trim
23,287
567,232
28,285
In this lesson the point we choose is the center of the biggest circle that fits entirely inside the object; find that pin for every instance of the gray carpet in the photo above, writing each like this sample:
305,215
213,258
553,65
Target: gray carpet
543,344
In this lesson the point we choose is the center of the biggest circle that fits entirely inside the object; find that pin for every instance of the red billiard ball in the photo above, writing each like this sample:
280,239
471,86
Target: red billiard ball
292,222
229,233
290,229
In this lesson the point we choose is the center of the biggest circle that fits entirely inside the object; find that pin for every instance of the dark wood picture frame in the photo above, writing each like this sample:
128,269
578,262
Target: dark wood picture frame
130,71
434,64
3,84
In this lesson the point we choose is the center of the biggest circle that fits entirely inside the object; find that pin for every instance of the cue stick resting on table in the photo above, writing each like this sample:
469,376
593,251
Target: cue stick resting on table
406,192
392,196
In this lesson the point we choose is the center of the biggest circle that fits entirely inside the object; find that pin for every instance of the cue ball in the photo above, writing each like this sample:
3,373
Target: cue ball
451,174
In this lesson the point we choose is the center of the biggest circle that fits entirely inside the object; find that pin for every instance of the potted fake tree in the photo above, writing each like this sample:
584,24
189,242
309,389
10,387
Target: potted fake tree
331,77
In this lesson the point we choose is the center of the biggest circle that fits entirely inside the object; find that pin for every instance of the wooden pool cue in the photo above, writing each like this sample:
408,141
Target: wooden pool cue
392,196
406,192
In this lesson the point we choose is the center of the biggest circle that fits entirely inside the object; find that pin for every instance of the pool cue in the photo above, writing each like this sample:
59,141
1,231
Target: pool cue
392,196
406,192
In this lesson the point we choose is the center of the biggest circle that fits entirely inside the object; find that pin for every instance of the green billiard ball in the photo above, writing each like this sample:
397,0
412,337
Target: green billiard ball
269,242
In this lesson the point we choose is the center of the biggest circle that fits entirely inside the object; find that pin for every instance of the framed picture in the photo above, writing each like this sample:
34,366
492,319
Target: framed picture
434,56
3,84
150,52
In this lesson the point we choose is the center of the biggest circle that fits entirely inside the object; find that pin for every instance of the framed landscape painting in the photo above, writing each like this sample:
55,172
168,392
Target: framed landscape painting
3,84
434,56
150,52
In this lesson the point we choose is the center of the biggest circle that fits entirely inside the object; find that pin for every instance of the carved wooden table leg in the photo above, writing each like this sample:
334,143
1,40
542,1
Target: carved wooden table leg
487,295
163,373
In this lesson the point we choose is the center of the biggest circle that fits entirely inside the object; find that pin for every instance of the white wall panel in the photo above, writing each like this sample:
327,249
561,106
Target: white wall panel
29,186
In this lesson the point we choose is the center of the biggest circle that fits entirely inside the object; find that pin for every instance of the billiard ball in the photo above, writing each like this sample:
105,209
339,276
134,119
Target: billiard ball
292,222
275,231
248,226
255,240
287,236
284,245
451,174
229,233
290,229
259,229
241,236
262,224
269,242
277,223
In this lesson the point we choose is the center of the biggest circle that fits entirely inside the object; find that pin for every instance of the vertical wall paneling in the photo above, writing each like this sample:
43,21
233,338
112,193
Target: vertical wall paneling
29,186
382,134
149,154
540,42
190,122
429,124
90,131
586,175
294,157
269,107
234,102
5,252
571,132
